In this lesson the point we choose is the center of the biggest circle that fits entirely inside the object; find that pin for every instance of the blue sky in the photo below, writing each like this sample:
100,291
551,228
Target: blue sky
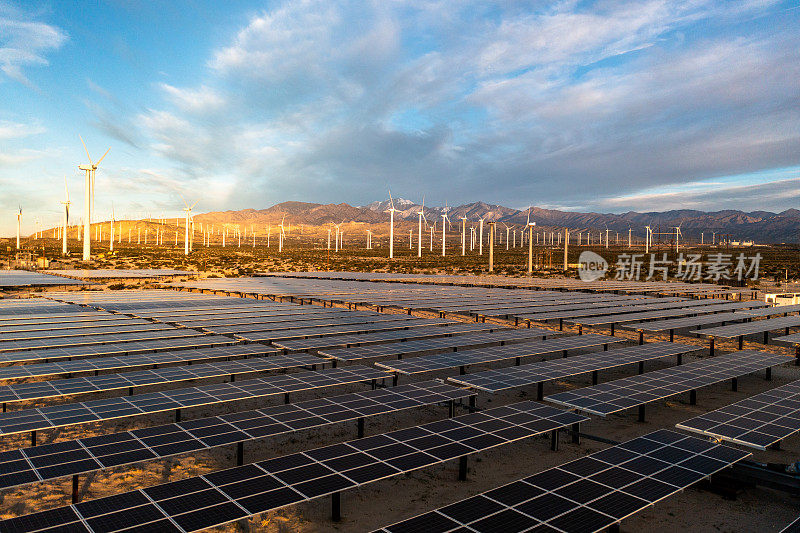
606,106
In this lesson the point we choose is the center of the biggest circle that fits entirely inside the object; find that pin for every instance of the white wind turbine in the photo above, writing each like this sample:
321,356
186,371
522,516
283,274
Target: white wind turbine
508,231
421,217
88,199
19,223
444,234
338,234
188,211
480,243
530,225
464,235
391,226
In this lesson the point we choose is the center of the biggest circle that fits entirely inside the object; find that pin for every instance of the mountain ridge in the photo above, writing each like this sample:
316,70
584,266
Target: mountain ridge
760,226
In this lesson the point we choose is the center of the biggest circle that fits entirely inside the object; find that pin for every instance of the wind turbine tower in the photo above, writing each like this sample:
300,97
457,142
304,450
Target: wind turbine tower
188,211
88,199
391,226
421,217
66,204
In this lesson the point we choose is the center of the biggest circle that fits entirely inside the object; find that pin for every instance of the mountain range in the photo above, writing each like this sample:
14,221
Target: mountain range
759,226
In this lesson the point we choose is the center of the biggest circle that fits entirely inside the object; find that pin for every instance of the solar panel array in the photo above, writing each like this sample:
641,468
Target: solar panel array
299,333
228,495
588,494
621,394
108,346
85,340
72,457
131,273
661,313
40,390
447,360
759,421
156,402
22,278
399,349
747,328
497,380
337,321
133,361
378,337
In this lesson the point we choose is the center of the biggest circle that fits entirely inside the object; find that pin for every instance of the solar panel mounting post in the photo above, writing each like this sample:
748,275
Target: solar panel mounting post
641,413
240,453
462,468
336,506
734,384
693,397
554,440
576,433
361,426
711,346
75,496
540,391
594,377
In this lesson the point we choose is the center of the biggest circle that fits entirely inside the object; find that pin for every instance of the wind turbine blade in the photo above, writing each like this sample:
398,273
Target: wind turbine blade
194,204
66,189
184,201
86,150
104,156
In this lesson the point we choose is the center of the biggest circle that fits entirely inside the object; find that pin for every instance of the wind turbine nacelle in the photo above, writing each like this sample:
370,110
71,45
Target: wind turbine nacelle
85,167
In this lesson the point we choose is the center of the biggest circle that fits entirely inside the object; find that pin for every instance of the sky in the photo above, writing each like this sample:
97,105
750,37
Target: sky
604,106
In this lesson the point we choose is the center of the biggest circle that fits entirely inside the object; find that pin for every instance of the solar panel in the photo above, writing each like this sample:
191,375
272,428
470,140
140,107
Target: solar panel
794,338
684,322
228,495
41,390
73,457
363,339
116,348
301,333
747,328
261,317
658,313
760,421
588,494
337,321
101,317
621,394
497,380
24,278
23,333
399,349
155,402
83,340
772,311
132,361
464,358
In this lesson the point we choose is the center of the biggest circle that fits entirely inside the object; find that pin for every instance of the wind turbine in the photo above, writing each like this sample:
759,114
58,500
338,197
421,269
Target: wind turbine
508,231
19,223
281,235
391,225
88,199
480,243
530,225
648,237
444,234
188,211
677,235
421,217
464,235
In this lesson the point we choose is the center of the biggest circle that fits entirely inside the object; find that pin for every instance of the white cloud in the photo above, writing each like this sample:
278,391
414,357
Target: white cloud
25,43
